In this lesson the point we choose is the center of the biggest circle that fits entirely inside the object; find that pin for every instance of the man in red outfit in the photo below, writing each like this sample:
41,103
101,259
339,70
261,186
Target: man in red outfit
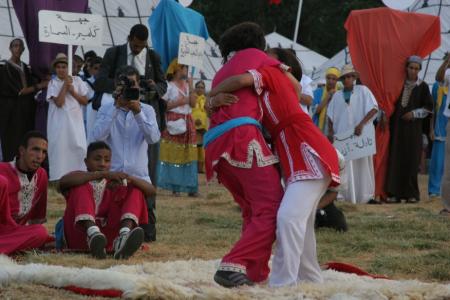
104,208
23,197
237,153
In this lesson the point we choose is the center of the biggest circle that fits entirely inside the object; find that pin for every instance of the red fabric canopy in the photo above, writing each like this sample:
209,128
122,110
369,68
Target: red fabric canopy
380,40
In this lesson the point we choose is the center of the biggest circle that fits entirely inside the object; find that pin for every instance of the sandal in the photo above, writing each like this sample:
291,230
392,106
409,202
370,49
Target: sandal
230,279
412,200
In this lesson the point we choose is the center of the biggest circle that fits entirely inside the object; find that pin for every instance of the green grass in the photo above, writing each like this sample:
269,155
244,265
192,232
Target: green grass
401,241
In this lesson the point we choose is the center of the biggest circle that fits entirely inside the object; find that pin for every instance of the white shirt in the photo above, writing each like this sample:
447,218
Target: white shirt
306,85
347,116
172,94
128,135
139,60
447,103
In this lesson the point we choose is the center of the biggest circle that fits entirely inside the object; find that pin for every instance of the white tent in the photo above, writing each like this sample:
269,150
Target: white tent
431,64
120,16
310,60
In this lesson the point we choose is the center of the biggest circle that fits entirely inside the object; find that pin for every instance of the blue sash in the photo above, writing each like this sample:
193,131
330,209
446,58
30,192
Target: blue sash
219,130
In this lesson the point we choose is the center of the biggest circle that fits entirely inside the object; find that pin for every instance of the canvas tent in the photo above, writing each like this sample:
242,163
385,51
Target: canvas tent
310,60
120,16
431,64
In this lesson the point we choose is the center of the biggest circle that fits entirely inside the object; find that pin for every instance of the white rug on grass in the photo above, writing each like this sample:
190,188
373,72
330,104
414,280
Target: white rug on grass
192,279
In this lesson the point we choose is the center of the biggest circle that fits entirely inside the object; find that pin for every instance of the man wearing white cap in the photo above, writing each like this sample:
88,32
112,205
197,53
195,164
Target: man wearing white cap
353,108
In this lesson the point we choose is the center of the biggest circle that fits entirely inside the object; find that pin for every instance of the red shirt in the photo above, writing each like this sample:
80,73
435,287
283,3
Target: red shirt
241,145
300,145
27,198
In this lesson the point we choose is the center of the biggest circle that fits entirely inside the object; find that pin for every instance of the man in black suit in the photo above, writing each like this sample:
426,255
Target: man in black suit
137,54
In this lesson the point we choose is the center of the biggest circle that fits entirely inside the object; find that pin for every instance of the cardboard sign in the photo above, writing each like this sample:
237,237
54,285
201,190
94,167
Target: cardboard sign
70,28
354,147
191,50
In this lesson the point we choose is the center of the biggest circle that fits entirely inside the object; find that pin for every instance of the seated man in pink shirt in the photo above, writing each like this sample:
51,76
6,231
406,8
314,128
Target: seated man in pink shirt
23,197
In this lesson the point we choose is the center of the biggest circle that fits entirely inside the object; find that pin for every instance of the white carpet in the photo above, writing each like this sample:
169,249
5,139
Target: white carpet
193,280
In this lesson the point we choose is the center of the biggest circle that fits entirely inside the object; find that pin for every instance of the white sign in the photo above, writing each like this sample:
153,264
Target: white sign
191,50
353,147
70,28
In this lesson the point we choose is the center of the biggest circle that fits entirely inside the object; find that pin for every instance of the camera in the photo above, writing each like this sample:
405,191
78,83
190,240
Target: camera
129,92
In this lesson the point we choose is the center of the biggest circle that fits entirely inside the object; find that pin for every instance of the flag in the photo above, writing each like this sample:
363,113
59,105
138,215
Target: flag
166,23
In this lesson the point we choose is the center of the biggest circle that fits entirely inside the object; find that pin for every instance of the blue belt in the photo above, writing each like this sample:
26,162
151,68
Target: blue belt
219,130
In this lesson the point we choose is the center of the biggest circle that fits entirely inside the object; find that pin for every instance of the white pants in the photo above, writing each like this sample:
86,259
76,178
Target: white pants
295,256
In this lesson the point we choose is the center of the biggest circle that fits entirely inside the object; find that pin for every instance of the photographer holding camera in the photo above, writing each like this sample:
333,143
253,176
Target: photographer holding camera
136,53
127,126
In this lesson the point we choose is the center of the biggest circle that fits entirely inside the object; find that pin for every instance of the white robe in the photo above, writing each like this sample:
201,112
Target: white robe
65,130
346,117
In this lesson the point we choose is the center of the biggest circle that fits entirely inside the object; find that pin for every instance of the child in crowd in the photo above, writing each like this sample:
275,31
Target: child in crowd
65,127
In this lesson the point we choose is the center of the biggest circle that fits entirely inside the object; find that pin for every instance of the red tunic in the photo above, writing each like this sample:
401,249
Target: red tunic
27,198
299,144
239,145
21,200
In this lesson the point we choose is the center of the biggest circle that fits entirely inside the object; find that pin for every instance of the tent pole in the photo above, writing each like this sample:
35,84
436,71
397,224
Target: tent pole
297,23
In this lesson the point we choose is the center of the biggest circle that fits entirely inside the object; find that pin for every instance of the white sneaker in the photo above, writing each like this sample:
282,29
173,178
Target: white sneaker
97,244
127,244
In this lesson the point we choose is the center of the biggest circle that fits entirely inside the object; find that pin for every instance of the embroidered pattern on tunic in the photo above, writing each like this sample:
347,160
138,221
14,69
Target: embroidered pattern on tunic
99,189
253,147
312,171
84,217
27,191
131,217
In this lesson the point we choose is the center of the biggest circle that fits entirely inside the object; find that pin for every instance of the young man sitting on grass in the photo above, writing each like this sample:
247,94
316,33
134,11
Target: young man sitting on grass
104,208
23,197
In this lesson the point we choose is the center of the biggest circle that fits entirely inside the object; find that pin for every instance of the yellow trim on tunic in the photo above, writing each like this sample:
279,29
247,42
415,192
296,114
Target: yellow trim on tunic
177,153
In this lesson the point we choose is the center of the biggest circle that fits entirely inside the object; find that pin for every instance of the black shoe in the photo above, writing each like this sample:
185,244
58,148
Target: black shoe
373,201
97,243
231,279
125,245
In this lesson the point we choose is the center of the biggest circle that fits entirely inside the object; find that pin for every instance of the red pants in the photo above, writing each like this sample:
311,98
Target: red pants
258,192
14,237
116,205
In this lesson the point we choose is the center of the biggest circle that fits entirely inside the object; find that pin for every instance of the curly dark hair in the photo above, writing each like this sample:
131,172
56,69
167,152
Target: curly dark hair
241,36
288,57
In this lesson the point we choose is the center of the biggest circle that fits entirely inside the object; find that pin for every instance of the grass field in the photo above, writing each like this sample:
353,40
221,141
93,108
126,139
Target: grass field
402,241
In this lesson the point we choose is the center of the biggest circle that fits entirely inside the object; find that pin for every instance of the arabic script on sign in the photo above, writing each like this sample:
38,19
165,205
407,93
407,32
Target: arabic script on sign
191,50
354,147
70,28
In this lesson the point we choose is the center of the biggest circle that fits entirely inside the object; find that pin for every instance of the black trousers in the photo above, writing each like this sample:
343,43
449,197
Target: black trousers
150,228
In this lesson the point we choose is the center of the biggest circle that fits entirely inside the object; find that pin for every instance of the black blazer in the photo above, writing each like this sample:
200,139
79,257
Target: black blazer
115,58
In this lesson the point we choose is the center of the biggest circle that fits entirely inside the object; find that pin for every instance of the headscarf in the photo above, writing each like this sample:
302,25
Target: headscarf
323,114
415,59
173,67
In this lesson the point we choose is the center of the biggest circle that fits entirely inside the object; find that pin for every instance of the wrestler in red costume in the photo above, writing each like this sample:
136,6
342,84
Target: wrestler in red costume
104,209
23,197
309,165
243,162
